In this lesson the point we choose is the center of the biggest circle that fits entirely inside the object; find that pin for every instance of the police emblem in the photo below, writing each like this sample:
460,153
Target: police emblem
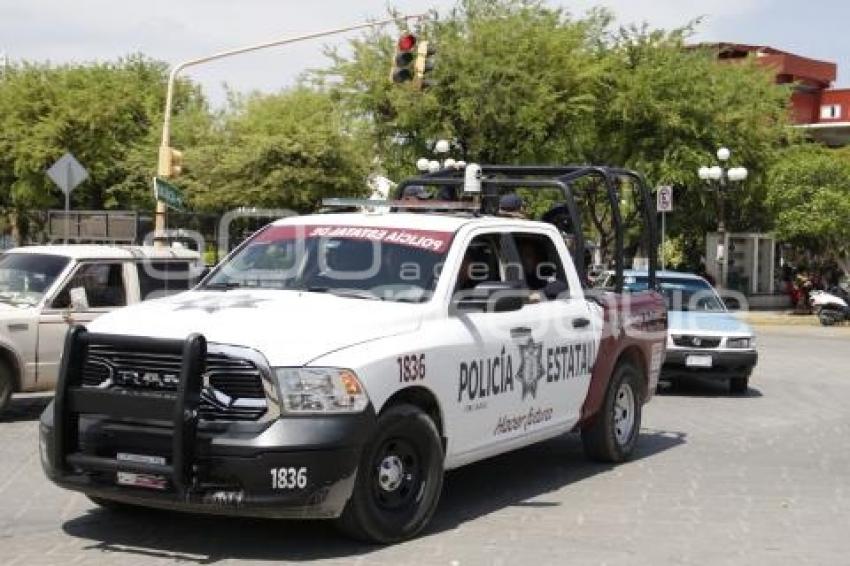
530,370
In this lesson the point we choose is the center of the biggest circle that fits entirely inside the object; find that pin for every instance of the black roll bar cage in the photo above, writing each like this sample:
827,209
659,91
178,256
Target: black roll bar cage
496,177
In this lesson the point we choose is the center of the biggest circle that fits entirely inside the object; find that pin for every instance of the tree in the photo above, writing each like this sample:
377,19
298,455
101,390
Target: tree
668,107
809,194
100,112
286,150
518,81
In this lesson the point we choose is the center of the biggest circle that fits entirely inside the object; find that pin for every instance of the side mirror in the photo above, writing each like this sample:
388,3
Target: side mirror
490,297
79,299
732,303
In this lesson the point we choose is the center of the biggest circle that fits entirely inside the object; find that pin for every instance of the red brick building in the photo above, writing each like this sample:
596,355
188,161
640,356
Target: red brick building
816,107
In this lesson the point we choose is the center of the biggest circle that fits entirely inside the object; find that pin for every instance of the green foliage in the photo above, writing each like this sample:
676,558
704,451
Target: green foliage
286,150
100,112
513,79
522,82
673,253
809,194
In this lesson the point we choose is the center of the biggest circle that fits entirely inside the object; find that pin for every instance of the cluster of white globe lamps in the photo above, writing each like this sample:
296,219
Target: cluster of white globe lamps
426,165
715,173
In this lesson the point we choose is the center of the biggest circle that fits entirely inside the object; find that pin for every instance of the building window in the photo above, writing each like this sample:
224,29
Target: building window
830,111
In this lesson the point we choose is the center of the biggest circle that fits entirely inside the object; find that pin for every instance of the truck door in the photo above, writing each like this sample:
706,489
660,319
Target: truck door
105,289
493,361
569,337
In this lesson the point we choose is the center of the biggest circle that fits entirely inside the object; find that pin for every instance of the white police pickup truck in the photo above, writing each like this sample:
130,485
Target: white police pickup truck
336,365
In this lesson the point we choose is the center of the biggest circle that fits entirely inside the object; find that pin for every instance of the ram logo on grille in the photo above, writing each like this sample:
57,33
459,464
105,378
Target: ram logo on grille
153,379
233,386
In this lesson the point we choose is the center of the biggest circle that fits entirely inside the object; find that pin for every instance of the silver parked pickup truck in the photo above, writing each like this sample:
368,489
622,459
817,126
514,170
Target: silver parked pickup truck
46,289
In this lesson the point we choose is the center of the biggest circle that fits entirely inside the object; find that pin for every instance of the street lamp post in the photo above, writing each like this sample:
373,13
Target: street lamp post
172,77
723,176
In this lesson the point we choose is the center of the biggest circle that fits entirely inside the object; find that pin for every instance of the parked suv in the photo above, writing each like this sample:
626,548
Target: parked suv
46,289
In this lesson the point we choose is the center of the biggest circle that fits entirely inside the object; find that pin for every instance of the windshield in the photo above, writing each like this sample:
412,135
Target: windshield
354,261
681,294
24,278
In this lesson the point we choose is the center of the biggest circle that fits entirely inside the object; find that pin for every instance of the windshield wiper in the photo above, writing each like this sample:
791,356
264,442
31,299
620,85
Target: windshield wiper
222,286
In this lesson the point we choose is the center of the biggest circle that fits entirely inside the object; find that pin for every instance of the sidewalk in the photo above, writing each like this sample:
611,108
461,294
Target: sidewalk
777,318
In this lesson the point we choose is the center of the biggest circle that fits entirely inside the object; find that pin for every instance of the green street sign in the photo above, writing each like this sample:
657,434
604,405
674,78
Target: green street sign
168,193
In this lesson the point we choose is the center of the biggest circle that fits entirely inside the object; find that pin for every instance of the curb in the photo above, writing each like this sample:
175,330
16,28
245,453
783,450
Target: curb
778,319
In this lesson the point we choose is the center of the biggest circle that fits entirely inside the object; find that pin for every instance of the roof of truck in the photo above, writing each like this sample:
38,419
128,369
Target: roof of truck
89,251
442,222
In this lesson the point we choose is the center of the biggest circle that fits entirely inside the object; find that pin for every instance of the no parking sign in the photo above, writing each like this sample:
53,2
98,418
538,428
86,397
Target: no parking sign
664,199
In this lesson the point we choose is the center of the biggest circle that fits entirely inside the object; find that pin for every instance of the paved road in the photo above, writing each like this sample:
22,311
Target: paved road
758,479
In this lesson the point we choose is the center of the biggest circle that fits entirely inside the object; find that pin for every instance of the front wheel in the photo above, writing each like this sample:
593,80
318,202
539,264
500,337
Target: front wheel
828,317
399,478
7,386
613,433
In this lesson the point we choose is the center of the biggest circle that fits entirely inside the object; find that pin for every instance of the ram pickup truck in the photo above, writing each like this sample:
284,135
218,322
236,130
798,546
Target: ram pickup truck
336,365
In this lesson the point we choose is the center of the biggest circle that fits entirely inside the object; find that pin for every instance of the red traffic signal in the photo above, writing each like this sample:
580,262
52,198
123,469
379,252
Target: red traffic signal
403,62
407,42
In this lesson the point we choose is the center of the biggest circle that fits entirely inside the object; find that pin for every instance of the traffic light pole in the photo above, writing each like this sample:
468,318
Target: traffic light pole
172,77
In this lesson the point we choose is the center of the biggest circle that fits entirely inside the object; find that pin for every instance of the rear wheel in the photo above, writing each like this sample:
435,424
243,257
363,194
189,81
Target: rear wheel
399,478
613,434
739,384
7,386
828,317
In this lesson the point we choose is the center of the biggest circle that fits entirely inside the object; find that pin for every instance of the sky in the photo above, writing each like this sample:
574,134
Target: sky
175,30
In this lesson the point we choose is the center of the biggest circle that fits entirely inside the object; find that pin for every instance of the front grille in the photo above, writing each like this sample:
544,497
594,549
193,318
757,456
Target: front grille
688,341
233,386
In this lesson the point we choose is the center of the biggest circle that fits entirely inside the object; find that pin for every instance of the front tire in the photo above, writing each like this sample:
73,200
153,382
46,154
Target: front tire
7,386
399,479
613,433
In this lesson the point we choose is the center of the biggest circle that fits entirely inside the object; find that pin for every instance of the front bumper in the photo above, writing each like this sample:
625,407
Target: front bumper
226,468
725,364
232,468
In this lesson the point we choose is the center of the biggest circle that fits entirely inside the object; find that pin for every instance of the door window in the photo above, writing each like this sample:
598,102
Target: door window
481,263
103,282
541,264
163,278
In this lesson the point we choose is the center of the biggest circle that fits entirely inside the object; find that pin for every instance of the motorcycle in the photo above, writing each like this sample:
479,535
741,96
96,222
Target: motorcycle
832,306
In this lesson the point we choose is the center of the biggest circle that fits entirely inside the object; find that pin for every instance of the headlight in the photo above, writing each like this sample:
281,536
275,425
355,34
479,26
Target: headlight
320,390
740,342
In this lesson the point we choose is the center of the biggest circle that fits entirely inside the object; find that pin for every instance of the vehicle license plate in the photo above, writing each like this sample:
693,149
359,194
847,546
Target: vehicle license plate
698,361
149,481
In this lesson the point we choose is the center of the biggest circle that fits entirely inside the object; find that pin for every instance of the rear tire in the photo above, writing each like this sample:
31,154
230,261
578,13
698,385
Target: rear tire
399,479
827,317
613,433
7,386
739,385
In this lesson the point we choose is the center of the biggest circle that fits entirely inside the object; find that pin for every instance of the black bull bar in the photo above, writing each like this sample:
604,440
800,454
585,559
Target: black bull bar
178,407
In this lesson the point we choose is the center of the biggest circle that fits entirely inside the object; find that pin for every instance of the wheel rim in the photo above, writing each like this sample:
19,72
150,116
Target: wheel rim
624,414
397,475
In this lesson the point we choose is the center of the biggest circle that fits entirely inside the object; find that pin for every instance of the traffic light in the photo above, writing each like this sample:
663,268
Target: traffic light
424,65
403,69
170,162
